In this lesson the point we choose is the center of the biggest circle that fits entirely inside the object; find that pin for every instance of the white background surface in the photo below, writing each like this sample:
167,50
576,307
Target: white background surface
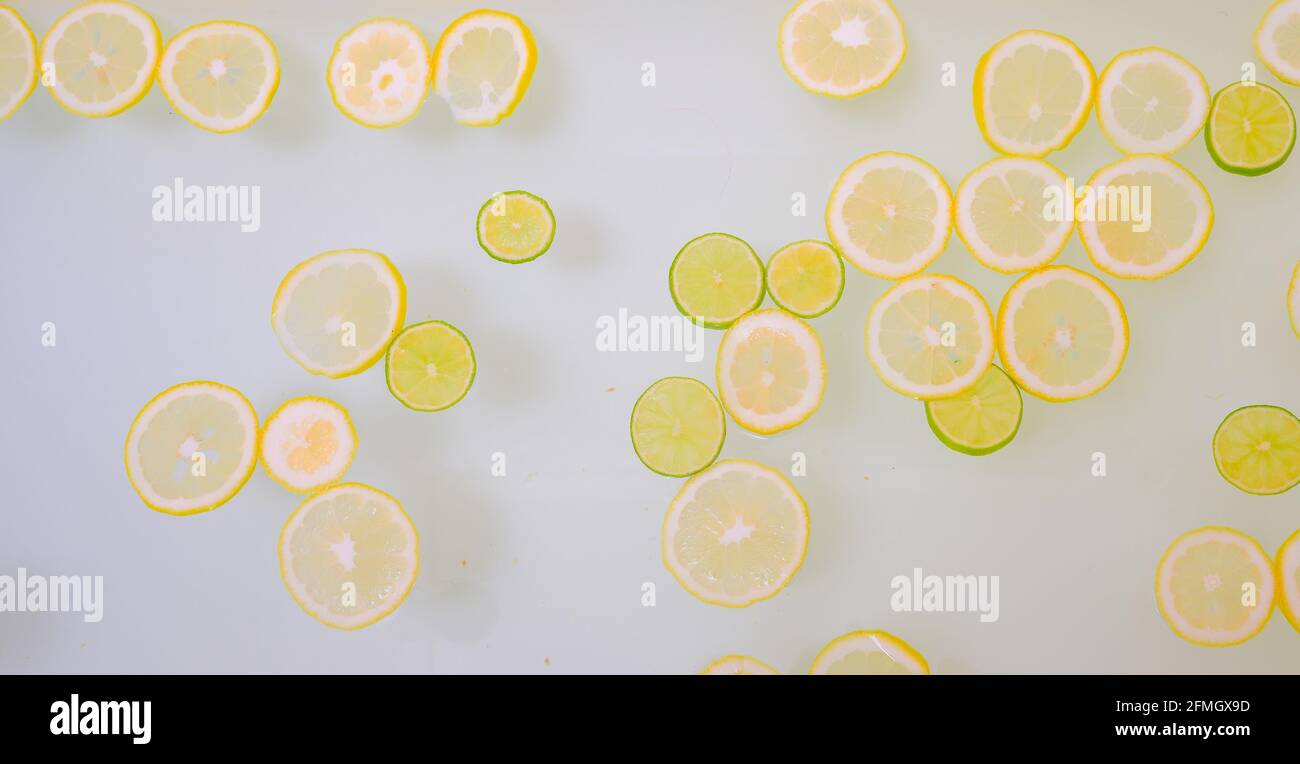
541,570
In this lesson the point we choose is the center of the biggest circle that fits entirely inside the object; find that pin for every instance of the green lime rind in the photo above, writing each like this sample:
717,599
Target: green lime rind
722,437
994,376
1218,462
1246,170
482,211
388,379
781,303
726,322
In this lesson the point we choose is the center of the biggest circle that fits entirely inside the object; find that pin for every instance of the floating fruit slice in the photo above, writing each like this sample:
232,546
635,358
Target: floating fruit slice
715,279
869,652
981,420
1062,334
103,57
336,313
17,61
192,448
379,74
1251,129
771,371
842,48
1277,40
1033,92
1215,587
220,75
930,336
430,366
1257,449
308,443
678,426
1143,217
805,278
349,555
1288,579
1004,214
739,665
482,65
515,227
1293,300
1151,101
736,533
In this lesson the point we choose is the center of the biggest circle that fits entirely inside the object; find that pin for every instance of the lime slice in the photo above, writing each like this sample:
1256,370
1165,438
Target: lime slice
1277,40
678,426
771,371
103,56
1033,91
1201,585
842,48
1151,101
1002,214
430,366
739,665
715,279
806,278
1251,129
869,653
482,66
1288,579
378,74
981,420
220,75
17,61
1257,449
515,227
308,443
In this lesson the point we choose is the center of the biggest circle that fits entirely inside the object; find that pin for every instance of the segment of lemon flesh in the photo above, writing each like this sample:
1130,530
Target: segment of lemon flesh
102,56
716,279
388,77
678,426
806,278
1007,212
1257,449
1207,584
891,214
980,420
1251,127
430,366
770,372
17,62
1173,218
515,226
1063,333
911,335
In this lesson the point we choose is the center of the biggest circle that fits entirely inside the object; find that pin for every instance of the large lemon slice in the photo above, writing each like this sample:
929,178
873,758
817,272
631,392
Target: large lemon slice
1215,587
17,61
842,48
308,443
220,75
1033,91
739,665
1257,449
771,371
482,66
1288,579
1004,215
379,72
102,56
1151,101
869,652
1277,40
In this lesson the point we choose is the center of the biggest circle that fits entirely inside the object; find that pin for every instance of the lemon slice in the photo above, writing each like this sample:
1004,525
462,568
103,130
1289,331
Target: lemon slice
1277,40
379,72
868,652
17,61
1293,300
930,336
482,65
1003,214
981,420
739,665
220,75
1062,334
336,313
715,279
430,366
842,48
1033,92
1257,449
1215,587
308,443
736,533
349,555
515,227
192,448
103,56
678,426
1251,130
1151,101
1148,238
806,278
890,214
771,371
1288,579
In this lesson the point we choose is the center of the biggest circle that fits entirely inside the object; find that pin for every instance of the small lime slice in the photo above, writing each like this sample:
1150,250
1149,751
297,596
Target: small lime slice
981,420
1251,129
1257,449
678,426
715,279
806,278
430,366
515,227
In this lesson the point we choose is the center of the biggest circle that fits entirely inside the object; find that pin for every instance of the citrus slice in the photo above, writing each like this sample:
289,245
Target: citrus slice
378,74
736,533
715,279
739,665
1143,217
980,420
17,61
1005,218
103,56
1277,40
1257,449
1033,92
1288,579
771,371
1062,334
1151,101
869,652
1215,587
430,366
192,448
349,555
336,313
1251,129
842,48
515,227
482,65
806,278
308,443
678,426
1293,300
930,336
220,75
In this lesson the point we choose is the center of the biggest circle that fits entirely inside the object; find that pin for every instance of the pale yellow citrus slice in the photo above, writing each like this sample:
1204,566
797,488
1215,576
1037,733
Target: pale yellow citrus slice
482,66
1151,101
771,371
806,278
308,443
842,48
1006,216
17,61
379,72
1288,579
869,653
101,57
1277,40
1293,300
430,366
739,665
220,75
715,279
1257,449
1033,92
1215,587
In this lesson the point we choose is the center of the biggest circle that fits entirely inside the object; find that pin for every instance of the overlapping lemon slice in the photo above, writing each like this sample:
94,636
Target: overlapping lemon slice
17,61
482,66
739,665
771,371
1151,101
102,57
1215,587
869,652
842,48
308,443
1033,92
379,72
1277,40
1006,216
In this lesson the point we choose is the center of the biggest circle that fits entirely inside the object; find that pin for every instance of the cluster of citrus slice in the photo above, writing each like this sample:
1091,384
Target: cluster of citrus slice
856,653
